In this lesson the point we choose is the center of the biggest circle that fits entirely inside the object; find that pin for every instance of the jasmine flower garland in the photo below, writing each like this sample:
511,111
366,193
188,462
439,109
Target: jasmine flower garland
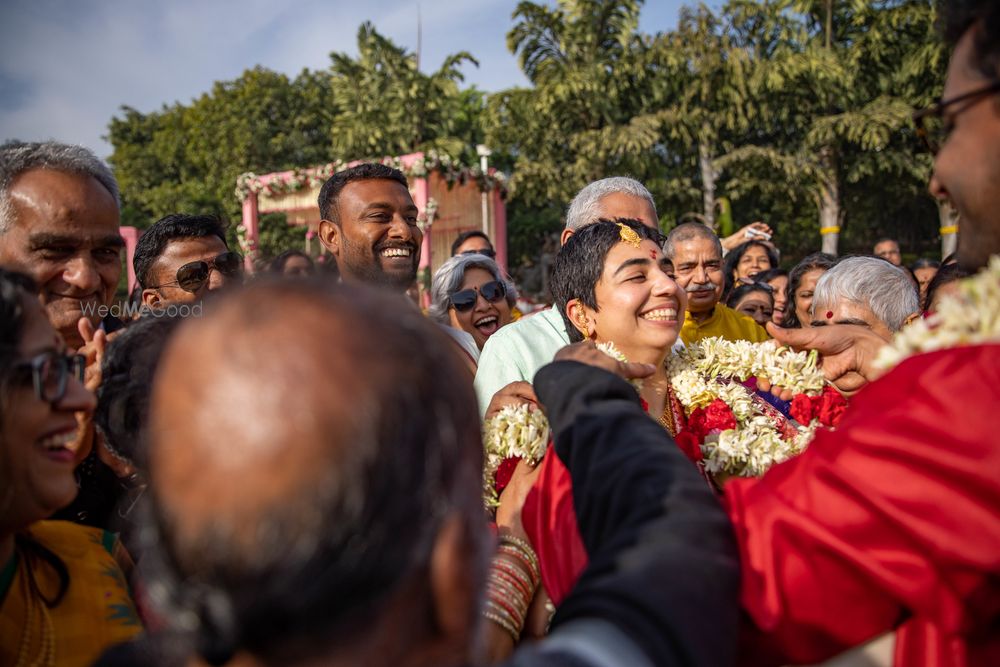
518,433
512,434
737,432
970,317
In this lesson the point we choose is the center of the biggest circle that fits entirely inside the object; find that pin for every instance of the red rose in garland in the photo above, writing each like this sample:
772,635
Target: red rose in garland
719,416
689,444
831,407
801,409
505,472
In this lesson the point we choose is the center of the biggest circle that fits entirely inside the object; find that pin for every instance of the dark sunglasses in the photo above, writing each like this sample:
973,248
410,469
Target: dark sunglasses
50,371
465,300
931,127
488,252
192,276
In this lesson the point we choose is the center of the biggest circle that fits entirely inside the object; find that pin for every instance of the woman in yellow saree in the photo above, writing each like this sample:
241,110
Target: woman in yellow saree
63,594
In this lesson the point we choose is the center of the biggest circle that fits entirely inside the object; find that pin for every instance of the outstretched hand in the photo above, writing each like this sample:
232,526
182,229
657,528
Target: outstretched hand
586,352
515,393
848,351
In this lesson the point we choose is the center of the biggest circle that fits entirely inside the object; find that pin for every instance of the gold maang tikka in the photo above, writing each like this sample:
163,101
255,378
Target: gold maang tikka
628,235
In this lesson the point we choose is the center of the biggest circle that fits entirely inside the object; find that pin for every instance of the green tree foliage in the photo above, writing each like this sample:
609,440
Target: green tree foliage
794,111
836,81
389,107
589,111
797,111
186,157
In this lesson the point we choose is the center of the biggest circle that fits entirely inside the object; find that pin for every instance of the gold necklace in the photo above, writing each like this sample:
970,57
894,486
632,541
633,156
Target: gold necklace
37,613
668,419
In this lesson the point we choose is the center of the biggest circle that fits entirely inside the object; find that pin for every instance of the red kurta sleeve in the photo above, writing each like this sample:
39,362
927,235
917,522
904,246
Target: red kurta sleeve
894,515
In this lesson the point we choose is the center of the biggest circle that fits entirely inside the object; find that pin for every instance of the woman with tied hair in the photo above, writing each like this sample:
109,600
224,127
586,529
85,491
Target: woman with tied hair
63,594
924,270
469,294
944,283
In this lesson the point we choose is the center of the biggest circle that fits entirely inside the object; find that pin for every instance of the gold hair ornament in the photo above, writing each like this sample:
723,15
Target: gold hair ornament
629,235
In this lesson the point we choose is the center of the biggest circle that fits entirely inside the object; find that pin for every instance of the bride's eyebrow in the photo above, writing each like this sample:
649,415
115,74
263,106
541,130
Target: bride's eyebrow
635,261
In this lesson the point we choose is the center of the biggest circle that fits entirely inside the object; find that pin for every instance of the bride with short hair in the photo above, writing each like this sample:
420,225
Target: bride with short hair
614,286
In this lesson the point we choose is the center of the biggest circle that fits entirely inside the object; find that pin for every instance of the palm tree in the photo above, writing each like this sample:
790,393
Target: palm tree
389,107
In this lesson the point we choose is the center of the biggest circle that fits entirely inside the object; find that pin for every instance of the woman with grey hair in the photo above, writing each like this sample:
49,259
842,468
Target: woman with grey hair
867,291
470,294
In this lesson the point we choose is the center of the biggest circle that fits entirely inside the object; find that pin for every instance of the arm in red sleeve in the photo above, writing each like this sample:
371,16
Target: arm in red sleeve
896,514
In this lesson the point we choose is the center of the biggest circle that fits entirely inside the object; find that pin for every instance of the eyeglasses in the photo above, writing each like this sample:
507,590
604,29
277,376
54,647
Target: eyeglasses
465,300
931,126
50,373
192,276
488,252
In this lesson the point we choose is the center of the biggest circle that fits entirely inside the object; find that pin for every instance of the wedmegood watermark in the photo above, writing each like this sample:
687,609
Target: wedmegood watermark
129,311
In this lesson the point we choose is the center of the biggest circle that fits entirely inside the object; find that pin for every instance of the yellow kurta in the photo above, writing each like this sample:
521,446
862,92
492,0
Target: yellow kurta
724,322
96,612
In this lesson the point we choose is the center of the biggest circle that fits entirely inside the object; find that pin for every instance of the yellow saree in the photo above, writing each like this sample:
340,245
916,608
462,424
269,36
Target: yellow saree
95,612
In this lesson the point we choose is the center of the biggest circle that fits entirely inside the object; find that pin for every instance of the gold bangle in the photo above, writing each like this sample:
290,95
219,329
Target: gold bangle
520,554
499,591
502,623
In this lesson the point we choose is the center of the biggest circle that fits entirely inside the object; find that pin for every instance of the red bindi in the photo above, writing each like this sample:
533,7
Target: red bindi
829,314
652,254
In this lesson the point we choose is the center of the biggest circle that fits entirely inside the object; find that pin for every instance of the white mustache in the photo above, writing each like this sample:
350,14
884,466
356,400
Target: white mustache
702,287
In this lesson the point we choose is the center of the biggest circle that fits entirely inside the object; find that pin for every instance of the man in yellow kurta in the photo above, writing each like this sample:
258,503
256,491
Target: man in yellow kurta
697,256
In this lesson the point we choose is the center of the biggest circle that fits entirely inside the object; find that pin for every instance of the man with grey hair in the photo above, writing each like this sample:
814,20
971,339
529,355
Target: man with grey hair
610,198
517,351
697,256
866,291
59,216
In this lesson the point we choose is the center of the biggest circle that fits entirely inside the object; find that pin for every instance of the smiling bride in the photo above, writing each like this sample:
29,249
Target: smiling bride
614,286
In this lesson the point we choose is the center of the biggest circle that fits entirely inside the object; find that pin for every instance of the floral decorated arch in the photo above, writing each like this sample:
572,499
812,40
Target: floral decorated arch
451,198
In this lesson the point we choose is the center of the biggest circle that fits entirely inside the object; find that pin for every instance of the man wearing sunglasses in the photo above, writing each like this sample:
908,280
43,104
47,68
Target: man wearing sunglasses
183,257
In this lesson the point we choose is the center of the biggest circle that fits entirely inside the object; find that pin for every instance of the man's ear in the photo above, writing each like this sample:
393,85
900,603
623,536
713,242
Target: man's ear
566,233
329,236
454,585
151,298
580,317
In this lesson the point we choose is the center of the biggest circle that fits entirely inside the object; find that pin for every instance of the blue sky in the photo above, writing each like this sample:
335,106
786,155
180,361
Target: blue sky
66,66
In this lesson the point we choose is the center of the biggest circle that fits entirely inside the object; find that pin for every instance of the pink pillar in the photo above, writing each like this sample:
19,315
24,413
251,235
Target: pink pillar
131,237
420,195
251,222
500,228
420,192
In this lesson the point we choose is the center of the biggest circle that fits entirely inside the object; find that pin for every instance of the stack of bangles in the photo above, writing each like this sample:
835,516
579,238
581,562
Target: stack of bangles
514,577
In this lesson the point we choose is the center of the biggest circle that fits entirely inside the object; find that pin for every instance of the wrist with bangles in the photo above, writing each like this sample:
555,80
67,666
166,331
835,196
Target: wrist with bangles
510,587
